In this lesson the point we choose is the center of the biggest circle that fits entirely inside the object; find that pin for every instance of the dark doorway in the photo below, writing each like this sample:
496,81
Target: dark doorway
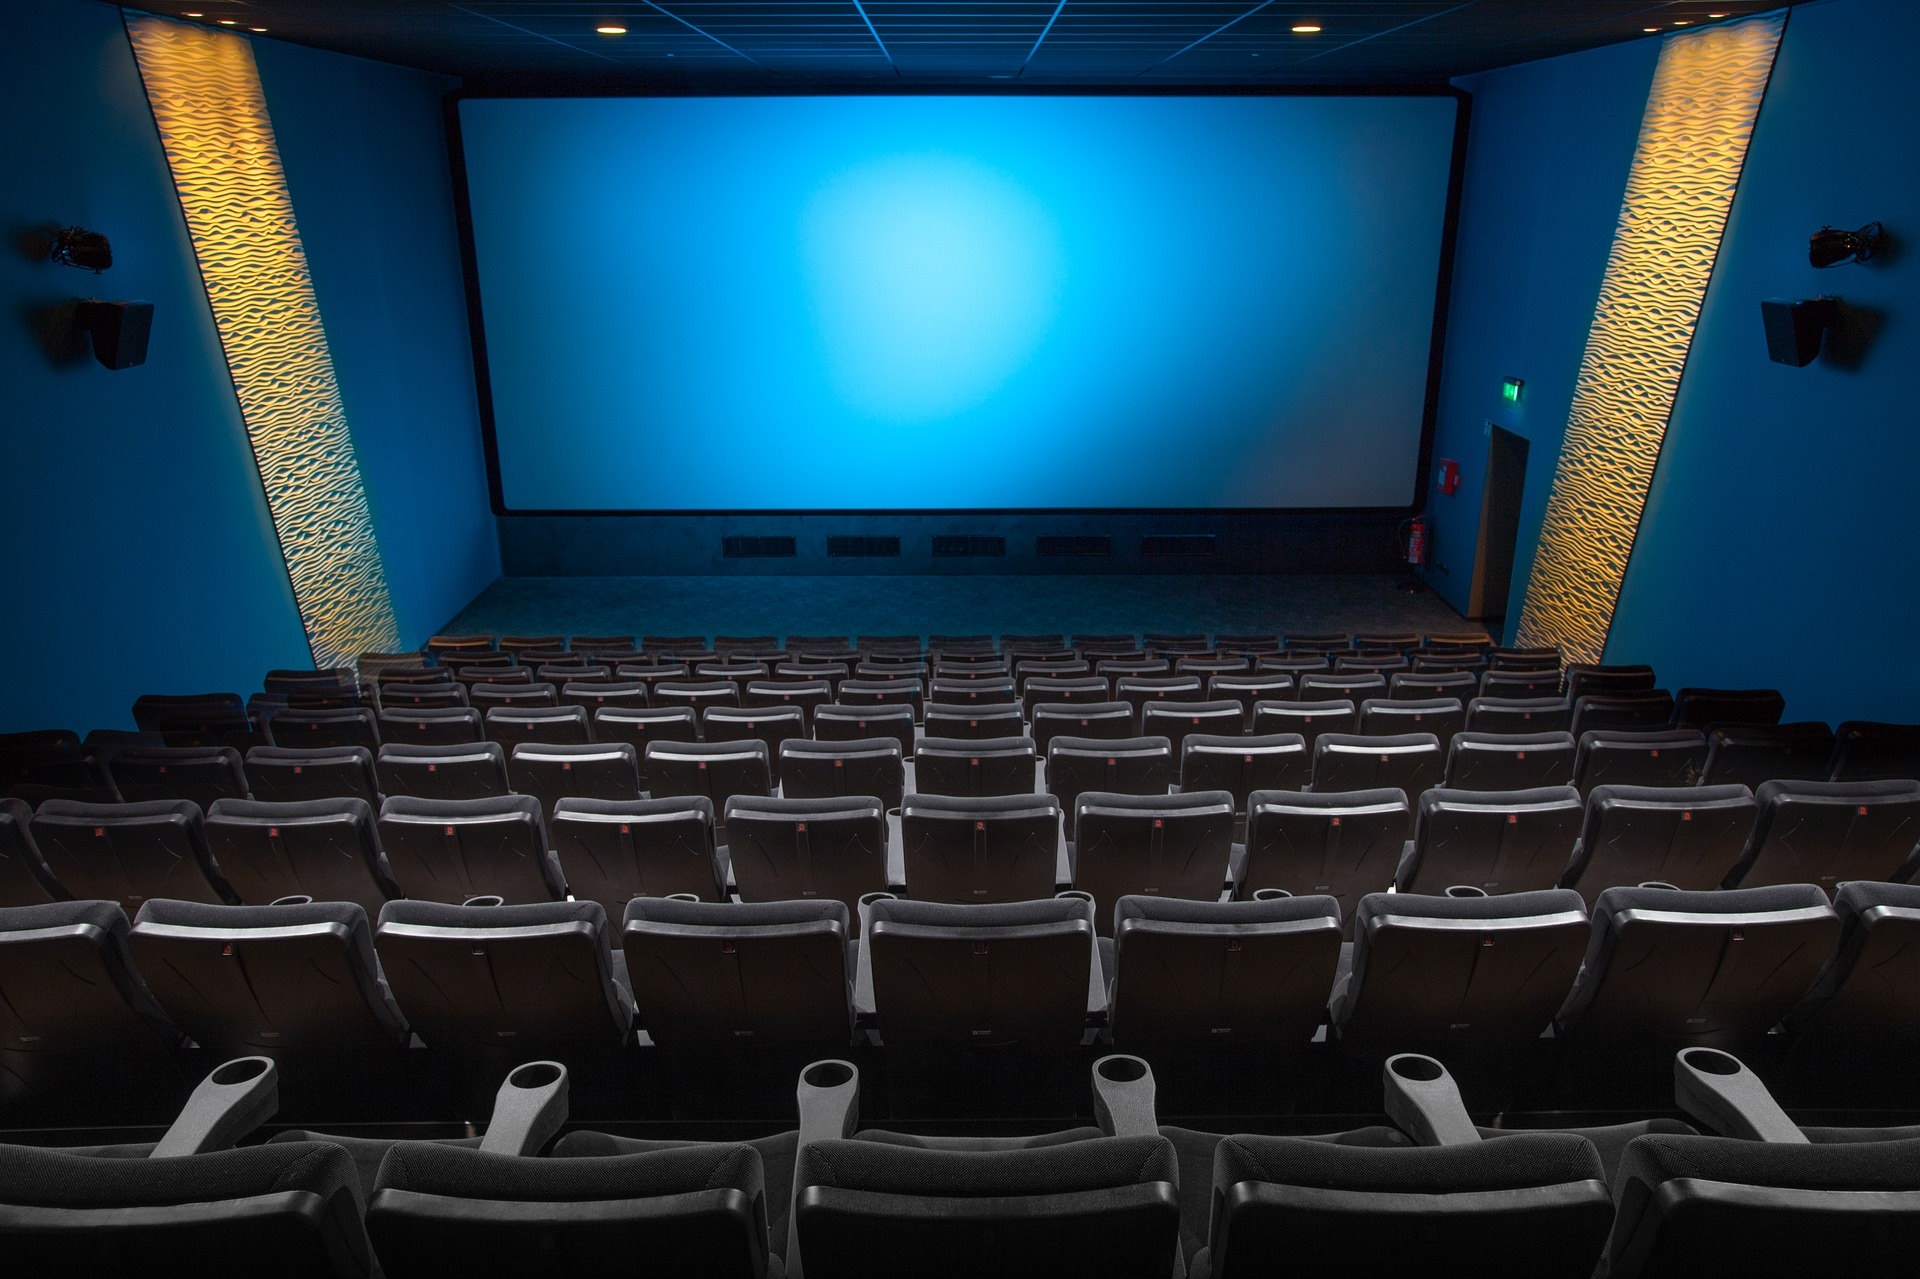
1499,525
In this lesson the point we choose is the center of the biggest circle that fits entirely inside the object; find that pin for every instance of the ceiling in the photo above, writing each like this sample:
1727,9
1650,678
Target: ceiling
790,46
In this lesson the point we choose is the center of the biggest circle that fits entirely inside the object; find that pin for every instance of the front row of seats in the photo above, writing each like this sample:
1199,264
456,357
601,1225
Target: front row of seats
1125,1200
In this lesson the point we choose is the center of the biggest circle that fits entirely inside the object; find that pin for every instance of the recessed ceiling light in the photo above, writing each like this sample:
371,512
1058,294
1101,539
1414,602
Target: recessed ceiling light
1307,29
1684,22
228,22
258,30
611,31
1650,30
193,15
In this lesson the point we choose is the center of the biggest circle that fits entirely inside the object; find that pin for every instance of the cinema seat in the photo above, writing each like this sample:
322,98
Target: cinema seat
1175,721
1412,762
24,877
1494,841
1341,844
990,849
1174,845
638,726
957,766
1309,719
1656,757
196,719
1127,765
431,725
201,774
1856,1034
453,850
820,770
513,726
282,774
484,697
807,849
1868,751
974,723
1243,765
1519,715
325,849
1826,833
1644,711
458,770
1705,707
1107,720
1685,836
717,771
1509,761
551,772
837,722
129,853
612,851
590,697
807,694
1582,678
1752,754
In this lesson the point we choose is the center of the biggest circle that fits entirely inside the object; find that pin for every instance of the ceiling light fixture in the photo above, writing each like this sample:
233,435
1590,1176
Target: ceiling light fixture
1307,29
611,31
228,22
258,30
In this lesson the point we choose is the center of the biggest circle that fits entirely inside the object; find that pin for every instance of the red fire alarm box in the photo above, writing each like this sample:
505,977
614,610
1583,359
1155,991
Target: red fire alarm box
1448,480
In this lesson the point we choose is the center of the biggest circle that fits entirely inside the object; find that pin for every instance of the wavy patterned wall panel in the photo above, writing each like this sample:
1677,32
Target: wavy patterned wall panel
1700,111
206,98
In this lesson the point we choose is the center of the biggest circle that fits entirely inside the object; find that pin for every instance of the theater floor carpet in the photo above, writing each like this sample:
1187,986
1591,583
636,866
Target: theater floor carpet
949,605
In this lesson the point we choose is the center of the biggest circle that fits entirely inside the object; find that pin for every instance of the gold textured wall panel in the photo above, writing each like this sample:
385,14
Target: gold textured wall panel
1706,93
212,113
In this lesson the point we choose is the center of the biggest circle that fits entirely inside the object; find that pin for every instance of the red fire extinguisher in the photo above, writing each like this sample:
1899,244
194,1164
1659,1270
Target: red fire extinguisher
1417,541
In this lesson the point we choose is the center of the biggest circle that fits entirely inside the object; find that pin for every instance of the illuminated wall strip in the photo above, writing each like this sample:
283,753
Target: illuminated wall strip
206,97
1693,140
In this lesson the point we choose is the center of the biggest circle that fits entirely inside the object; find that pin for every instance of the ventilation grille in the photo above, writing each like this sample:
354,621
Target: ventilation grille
1083,546
863,546
1177,544
757,548
957,547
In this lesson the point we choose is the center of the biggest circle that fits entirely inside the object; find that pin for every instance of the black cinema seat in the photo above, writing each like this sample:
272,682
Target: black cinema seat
1243,765
1176,721
640,725
1174,845
1583,678
289,774
431,725
296,982
1355,687
728,976
984,691
1248,689
192,1203
1340,844
821,770
407,696
1463,685
196,719
1621,712
1204,975
1308,718
1656,757
807,849
774,725
975,723
1667,970
612,851
1141,691
696,694
873,693
454,770
1686,836
1481,977
1752,754
1020,975
1389,716
24,877
991,849
1704,707
1869,751
522,694
1106,720
551,772
1509,761
511,726
958,766
1064,690
452,850
1494,841
808,694
836,722
1412,762
590,696
1857,1033
716,770
51,764
1826,833
128,853
198,773
326,849
345,726
1089,1201
1125,765
1519,715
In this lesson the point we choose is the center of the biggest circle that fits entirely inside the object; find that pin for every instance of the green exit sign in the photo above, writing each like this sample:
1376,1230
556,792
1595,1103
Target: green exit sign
1510,390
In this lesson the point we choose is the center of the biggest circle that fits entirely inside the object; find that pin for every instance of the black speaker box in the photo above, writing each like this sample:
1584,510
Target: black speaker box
119,331
1794,329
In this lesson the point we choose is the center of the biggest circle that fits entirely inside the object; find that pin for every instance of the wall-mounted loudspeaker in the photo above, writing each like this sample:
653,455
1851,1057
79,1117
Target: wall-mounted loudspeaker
1794,329
119,331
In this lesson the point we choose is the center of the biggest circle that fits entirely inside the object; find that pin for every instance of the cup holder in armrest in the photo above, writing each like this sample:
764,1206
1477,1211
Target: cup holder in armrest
529,1109
292,899
485,899
1465,890
237,1097
1270,894
1424,1102
1123,1096
1718,1089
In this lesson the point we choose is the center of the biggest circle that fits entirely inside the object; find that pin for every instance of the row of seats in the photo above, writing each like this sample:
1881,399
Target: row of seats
1127,1199
1525,990
972,849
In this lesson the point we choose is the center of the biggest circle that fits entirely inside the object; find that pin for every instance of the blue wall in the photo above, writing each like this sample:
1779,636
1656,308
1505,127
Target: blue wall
1773,543
139,552
1547,158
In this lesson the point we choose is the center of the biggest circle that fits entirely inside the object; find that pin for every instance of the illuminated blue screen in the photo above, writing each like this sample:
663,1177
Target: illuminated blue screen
944,303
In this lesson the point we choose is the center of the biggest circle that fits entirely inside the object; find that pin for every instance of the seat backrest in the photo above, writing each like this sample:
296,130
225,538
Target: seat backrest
772,725
198,773
1309,717
959,766
1621,712
1176,721
1826,833
1666,970
1103,1206
128,853
1654,757
612,851
1386,716
1019,973
1126,765
450,850
1526,683
1519,715
536,979
1093,717
807,849
289,1209
808,694
1705,707
1695,1205
732,975
1412,762
1470,980
975,722
453,770
1509,761
1496,841
196,719
292,773
1861,1020
1529,1204
717,770
1586,677
1151,845
24,877
640,725
1869,751
592,695
1243,765
431,725
272,980
997,848
1687,836
524,692
346,726
326,849
549,725
821,770
551,772
1341,844
837,722
1752,754
1191,973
